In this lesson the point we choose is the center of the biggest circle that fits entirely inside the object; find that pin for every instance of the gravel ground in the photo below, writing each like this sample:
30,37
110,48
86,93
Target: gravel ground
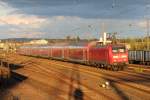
43,79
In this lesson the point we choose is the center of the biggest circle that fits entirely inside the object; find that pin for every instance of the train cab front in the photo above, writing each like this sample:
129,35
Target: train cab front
119,56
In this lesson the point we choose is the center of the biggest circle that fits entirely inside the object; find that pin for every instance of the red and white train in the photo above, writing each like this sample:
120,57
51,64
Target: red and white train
111,56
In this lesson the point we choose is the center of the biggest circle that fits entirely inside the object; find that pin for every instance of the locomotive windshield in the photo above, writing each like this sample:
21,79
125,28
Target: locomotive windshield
118,49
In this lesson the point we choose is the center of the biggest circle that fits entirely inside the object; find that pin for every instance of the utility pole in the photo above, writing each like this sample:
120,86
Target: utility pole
147,24
103,29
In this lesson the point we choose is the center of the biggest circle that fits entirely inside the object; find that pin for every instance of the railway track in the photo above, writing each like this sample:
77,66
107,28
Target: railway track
139,67
66,79
129,85
50,73
104,74
24,60
40,68
124,84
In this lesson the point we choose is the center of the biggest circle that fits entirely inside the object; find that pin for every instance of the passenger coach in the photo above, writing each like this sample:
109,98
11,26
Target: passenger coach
111,56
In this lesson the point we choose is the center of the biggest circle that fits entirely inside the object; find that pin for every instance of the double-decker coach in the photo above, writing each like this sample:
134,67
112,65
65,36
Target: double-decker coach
110,56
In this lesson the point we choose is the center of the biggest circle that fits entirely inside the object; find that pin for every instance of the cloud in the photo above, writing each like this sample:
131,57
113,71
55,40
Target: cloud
61,26
20,19
78,26
142,24
8,16
5,9
123,9
31,35
14,33
60,21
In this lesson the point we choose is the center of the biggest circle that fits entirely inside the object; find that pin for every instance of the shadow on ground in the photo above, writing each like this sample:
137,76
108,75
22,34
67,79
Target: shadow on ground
75,92
78,94
119,91
15,66
12,66
7,84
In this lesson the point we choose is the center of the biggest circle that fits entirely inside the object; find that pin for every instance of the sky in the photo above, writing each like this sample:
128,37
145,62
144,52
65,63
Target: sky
84,18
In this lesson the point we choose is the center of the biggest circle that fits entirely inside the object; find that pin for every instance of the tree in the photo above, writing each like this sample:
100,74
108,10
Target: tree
78,38
112,37
68,38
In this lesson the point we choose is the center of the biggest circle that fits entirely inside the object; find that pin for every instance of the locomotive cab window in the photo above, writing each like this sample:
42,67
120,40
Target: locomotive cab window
118,49
99,45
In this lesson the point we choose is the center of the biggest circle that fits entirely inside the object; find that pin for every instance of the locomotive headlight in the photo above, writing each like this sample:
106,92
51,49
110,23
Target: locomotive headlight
124,59
124,56
115,60
115,56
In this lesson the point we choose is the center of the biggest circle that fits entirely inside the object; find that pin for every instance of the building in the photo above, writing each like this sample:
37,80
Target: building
38,42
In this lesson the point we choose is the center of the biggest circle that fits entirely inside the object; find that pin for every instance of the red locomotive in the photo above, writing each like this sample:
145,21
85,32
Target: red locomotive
111,56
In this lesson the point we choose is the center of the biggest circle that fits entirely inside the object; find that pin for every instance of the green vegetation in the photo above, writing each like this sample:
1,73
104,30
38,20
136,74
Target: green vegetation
138,69
137,43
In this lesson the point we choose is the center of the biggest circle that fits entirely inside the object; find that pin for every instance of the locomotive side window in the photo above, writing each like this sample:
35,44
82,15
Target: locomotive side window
118,49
